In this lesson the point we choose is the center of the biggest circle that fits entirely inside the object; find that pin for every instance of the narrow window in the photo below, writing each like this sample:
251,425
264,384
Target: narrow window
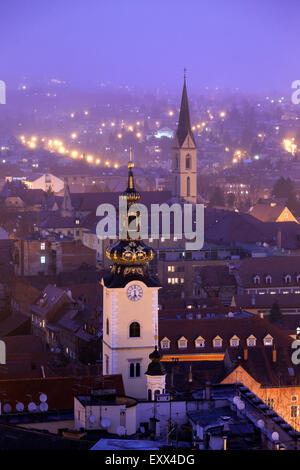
188,186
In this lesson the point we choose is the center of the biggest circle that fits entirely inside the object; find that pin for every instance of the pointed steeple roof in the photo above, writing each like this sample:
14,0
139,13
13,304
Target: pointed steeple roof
130,255
131,194
67,200
184,123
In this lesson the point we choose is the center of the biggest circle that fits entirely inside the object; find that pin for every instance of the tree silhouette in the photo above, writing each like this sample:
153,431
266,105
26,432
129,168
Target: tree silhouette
283,187
275,312
217,198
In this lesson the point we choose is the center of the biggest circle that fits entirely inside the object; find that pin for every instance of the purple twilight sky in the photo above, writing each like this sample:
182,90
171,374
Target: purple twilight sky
250,44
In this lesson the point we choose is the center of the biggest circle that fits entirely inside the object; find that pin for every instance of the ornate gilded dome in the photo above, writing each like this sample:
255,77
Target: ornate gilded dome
130,252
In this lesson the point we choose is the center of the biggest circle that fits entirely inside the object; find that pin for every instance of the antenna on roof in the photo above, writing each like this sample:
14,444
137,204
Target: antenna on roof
31,406
43,397
20,406
7,408
44,406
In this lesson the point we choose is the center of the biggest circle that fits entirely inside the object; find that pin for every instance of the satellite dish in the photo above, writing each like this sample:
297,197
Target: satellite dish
20,406
236,399
261,423
121,431
43,397
92,419
7,408
31,406
105,422
44,406
275,436
240,405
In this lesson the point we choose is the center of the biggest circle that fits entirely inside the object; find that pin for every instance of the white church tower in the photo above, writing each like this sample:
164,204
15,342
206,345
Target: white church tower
184,165
130,308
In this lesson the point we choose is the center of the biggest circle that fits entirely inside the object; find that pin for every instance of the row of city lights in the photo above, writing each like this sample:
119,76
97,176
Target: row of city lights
56,145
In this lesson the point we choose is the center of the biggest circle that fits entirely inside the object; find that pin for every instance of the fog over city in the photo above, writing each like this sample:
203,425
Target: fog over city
250,45
149,227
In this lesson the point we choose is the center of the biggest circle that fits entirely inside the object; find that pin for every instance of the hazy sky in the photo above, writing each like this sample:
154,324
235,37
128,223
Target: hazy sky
250,44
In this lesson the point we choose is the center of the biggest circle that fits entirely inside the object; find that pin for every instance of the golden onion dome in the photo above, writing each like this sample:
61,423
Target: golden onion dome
130,252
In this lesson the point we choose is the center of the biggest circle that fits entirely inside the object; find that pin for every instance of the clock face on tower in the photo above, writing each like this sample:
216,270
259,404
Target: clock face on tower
134,293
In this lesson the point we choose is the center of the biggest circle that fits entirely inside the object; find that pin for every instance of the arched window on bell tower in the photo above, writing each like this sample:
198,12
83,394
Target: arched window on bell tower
188,186
134,330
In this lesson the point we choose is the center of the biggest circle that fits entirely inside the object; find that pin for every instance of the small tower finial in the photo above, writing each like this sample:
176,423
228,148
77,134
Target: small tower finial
130,164
184,73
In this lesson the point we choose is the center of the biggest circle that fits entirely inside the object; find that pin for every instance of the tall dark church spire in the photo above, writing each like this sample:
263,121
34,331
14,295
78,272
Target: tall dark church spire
184,167
184,123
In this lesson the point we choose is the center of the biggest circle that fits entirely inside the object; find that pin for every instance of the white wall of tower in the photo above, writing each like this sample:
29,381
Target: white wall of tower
118,346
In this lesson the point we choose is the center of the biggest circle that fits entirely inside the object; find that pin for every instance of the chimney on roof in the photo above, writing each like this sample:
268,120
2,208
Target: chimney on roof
190,375
207,391
245,354
274,354
279,239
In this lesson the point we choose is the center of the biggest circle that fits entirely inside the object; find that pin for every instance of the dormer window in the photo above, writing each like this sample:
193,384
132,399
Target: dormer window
182,343
268,279
256,279
200,342
217,342
165,343
288,279
77,221
234,341
268,340
251,341
298,278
